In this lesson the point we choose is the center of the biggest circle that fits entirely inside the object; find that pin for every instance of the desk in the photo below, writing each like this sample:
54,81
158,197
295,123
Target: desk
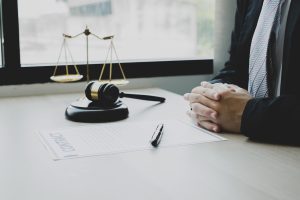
234,169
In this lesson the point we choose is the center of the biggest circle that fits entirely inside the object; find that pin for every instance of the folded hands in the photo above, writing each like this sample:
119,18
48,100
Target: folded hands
217,107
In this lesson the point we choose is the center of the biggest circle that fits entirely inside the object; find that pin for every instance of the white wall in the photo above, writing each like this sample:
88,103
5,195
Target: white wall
225,10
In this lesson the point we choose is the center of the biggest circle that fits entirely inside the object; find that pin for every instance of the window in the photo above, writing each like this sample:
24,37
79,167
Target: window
163,35
1,39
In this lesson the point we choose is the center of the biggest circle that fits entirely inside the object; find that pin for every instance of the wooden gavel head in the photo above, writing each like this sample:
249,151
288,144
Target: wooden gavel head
106,94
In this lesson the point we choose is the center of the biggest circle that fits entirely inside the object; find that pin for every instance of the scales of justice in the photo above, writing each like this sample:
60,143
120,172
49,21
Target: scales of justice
83,109
72,77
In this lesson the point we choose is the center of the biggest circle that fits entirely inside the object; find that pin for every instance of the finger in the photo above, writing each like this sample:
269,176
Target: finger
222,89
237,88
186,96
207,92
233,86
212,86
204,122
199,98
206,84
210,126
203,110
198,118
201,118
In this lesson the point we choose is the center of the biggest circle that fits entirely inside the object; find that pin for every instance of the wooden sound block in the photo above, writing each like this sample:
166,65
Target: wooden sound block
84,110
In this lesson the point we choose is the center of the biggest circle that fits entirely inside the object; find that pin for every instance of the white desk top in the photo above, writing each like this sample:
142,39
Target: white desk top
233,169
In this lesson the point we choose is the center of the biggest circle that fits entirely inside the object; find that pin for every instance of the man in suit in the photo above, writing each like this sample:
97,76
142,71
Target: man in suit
258,91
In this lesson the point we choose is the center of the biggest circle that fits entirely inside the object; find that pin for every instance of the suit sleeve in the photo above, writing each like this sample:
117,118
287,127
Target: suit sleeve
274,120
235,71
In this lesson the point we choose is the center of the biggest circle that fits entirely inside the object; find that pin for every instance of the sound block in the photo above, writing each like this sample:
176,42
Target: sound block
84,110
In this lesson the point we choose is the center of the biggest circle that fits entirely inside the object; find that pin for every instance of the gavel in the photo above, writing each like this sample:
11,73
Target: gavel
108,94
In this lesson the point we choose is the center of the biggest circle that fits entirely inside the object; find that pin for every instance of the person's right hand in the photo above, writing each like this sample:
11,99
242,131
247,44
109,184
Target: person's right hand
203,115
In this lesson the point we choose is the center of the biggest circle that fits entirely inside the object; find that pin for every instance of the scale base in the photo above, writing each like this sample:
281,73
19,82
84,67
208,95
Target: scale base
84,110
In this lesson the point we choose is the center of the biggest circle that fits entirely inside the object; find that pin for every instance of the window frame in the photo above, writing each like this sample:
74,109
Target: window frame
11,73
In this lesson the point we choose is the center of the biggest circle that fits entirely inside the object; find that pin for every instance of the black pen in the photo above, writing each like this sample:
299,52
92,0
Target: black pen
156,137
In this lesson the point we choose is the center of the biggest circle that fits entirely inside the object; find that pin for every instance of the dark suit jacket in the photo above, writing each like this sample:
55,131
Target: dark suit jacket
275,119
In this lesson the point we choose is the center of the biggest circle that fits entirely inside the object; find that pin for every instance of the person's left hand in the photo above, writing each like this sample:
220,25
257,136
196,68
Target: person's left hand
229,108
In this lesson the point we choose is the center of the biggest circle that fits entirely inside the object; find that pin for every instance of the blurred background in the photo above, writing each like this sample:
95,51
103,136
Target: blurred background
144,29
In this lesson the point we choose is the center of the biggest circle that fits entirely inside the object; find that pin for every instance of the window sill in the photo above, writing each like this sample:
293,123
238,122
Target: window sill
29,75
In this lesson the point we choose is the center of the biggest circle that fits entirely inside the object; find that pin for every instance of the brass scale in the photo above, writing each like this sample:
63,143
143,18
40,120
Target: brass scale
72,77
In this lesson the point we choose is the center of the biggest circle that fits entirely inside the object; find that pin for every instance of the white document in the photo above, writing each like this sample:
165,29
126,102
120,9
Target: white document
102,139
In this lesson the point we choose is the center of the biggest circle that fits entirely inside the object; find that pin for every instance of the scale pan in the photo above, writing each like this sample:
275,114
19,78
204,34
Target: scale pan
66,78
118,82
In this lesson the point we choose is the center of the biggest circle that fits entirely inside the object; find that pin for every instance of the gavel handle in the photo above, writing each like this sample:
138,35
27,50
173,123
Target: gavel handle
142,97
